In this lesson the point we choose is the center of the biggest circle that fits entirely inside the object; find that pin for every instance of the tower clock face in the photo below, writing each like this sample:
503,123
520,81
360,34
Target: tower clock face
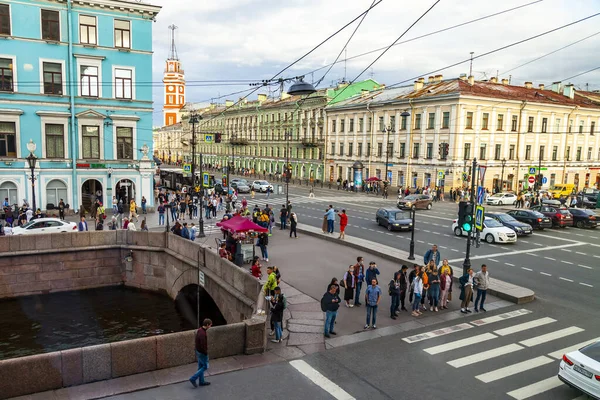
171,88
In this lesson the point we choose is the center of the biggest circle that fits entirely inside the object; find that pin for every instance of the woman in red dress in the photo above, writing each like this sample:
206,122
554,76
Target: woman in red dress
343,223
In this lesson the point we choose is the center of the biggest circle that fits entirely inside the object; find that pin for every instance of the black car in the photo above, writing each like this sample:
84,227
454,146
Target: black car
520,228
584,218
586,200
393,219
536,219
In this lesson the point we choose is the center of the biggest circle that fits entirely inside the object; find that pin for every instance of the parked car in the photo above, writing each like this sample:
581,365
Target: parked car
583,218
393,219
500,199
580,369
45,225
493,231
219,188
561,217
519,227
534,218
585,201
414,201
261,186
241,187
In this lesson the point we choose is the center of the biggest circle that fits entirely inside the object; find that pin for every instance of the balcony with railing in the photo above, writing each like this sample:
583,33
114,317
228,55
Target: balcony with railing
312,141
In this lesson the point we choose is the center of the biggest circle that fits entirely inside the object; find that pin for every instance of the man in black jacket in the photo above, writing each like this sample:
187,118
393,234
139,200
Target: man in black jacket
403,286
330,302
202,354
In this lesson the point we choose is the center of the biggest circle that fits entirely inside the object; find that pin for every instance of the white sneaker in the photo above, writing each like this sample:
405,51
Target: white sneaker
351,305
436,309
271,333
430,308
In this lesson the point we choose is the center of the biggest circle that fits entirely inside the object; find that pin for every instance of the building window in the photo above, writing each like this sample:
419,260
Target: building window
416,148
485,121
379,149
333,125
52,78
341,149
350,149
55,190
8,190
482,151
554,153
55,140
123,83
418,121
351,125
361,124
89,81
403,124
528,152
50,25
469,120
511,152
343,125
513,125
122,34
381,124
497,152
446,120
332,149
6,75
393,123
368,149
568,153
370,124
570,125
544,125
360,145
402,150
90,141
500,122
589,155
431,121
429,151
530,124
4,19
592,127
467,151
124,143
578,153
87,29
542,151
581,127
8,141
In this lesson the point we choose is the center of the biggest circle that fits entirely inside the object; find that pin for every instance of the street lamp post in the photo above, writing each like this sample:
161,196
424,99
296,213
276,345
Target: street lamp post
288,170
411,256
502,175
32,159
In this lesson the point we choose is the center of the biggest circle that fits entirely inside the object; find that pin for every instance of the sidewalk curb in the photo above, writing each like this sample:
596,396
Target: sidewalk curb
503,290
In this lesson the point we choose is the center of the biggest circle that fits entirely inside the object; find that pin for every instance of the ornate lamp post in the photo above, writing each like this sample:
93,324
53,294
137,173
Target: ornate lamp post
31,160
502,175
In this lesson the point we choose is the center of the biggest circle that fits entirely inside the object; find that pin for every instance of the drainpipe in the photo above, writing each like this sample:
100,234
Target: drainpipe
72,88
523,105
372,137
566,140
408,177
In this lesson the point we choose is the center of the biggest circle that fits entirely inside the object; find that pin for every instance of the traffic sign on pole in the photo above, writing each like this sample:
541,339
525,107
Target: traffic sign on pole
532,170
187,169
531,179
544,180
480,194
479,214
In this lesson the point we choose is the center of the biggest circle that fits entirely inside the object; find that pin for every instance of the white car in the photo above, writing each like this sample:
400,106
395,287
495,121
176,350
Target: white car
45,225
580,369
261,186
500,199
493,232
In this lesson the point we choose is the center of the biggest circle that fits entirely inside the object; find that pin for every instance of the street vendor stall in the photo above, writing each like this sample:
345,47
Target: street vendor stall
244,232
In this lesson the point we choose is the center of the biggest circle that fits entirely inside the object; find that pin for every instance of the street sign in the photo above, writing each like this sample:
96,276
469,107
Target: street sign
201,278
482,169
390,165
205,179
479,217
187,169
209,138
480,194
389,176
440,174
544,180
464,176
531,179
532,170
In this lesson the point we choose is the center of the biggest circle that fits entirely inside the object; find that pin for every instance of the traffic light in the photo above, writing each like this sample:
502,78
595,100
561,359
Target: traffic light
218,137
446,149
465,216
441,149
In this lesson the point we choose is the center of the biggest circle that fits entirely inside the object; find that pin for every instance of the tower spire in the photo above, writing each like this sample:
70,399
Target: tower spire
173,51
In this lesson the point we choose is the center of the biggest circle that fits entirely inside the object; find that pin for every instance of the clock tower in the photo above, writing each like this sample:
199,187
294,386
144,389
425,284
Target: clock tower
174,82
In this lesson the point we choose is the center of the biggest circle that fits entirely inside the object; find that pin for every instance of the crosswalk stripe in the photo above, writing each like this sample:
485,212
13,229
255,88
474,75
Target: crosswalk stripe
524,326
559,353
457,344
500,317
551,336
514,369
436,333
485,355
536,388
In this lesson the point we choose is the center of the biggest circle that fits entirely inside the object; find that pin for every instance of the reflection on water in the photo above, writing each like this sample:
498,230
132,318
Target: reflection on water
58,321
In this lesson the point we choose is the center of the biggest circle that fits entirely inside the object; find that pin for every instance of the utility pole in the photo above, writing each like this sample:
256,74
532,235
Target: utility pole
201,195
467,262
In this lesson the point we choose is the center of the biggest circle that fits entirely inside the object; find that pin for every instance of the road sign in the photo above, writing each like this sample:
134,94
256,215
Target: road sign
531,179
464,176
201,278
480,194
209,138
482,169
479,213
389,176
187,169
205,179
532,170
544,180
390,165
440,174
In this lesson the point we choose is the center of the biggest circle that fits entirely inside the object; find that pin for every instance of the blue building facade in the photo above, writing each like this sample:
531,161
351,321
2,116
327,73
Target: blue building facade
75,79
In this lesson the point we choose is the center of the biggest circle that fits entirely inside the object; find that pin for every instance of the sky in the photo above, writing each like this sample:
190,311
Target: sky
252,40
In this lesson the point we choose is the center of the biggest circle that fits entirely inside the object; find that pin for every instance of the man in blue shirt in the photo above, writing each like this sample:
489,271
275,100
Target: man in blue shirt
372,298
432,254
330,214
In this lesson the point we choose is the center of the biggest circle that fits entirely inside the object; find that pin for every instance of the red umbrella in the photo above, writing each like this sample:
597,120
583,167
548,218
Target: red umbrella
373,179
239,224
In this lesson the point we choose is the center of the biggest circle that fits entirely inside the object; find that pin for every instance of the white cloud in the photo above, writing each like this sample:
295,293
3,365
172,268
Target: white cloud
253,39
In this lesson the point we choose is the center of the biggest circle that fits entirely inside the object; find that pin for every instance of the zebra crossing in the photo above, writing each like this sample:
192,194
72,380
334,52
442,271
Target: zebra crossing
525,346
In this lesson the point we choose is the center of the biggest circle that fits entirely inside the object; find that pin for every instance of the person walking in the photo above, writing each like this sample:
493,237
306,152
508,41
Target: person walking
482,281
466,291
311,193
348,282
293,225
394,291
201,354
372,298
434,288
343,223
283,217
263,242
330,303
432,254
61,209
277,307
144,201
330,214
417,289
403,286
359,278
445,285
82,226
133,211
161,214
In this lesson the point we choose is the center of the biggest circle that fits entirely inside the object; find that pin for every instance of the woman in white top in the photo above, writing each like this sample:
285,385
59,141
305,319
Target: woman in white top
417,285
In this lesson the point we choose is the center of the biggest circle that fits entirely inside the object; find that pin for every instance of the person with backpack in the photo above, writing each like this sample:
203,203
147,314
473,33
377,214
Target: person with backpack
330,303
394,292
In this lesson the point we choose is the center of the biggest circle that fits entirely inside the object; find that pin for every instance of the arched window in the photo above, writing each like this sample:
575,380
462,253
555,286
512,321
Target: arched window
56,190
9,190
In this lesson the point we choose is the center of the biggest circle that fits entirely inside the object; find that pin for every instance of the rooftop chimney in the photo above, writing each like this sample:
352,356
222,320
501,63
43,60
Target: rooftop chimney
542,87
430,79
439,78
463,77
505,81
493,79
556,87
528,85
262,97
228,103
419,84
364,92
471,80
569,91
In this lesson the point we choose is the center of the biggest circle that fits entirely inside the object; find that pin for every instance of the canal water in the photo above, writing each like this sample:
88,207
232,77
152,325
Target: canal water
58,321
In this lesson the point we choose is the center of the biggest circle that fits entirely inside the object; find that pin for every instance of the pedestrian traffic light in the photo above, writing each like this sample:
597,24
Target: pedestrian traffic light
465,216
218,137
